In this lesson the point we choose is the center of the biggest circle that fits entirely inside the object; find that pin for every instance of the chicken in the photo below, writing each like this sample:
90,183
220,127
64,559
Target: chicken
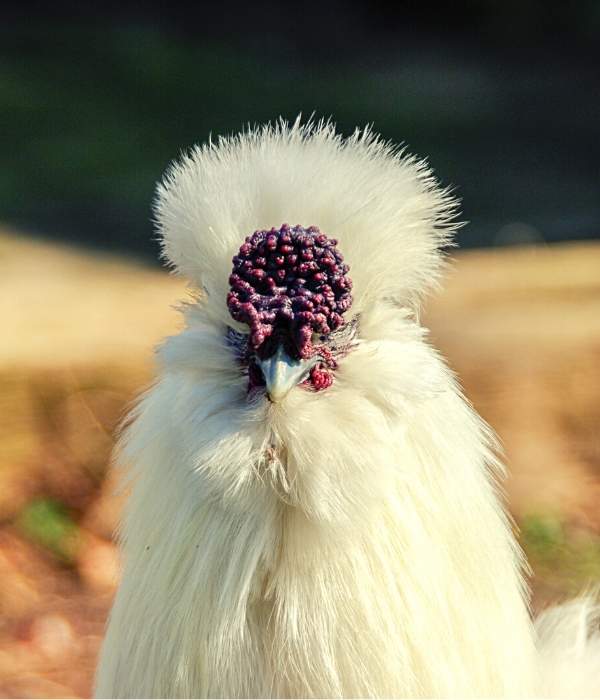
314,506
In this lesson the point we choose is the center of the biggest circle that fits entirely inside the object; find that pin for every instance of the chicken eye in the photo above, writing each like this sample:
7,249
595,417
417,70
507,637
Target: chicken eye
238,342
255,375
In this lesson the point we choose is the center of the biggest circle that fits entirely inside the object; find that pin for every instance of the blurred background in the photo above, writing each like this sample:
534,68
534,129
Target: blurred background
504,100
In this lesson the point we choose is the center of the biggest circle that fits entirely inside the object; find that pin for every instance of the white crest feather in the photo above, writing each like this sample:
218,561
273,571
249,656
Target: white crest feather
385,207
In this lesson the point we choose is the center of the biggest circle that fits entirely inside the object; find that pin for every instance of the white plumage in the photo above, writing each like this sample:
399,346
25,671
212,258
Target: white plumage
347,542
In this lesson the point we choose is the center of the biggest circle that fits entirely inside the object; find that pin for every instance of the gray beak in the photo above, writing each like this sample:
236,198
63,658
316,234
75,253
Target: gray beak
282,373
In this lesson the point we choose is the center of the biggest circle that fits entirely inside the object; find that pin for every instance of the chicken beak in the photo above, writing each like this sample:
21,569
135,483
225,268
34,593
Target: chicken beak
282,373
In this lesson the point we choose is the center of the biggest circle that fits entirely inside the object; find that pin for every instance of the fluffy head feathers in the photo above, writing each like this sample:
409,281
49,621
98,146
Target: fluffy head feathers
385,208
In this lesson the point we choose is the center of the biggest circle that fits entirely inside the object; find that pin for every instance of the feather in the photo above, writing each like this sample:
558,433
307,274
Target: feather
350,542
382,204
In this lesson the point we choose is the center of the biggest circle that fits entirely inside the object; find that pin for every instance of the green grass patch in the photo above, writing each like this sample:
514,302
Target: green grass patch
48,524
565,557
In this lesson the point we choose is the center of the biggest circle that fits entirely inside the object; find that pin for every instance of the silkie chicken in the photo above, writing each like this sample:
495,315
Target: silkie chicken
314,506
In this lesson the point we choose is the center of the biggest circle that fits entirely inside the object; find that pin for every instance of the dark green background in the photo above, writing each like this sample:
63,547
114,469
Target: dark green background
503,98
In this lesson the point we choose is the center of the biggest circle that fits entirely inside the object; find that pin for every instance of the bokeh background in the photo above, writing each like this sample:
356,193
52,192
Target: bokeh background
504,100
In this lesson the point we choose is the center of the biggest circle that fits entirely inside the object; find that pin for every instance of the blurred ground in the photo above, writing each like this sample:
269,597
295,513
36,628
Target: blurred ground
520,326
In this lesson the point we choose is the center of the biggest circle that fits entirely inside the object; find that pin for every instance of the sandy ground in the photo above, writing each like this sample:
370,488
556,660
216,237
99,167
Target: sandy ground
522,329
520,326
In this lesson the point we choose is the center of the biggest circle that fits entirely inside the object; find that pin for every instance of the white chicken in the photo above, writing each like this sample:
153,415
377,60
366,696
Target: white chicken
314,508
